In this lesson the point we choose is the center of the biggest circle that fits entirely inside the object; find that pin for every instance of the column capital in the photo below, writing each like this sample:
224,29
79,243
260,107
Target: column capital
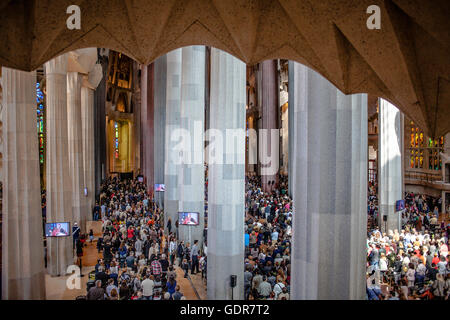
57,65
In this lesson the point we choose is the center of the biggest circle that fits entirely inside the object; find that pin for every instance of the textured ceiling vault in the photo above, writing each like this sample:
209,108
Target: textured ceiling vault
406,61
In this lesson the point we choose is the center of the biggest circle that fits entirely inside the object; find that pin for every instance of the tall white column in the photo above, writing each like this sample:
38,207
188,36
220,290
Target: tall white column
59,184
75,136
87,116
159,125
270,148
291,124
226,187
390,183
192,186
22,245
330,193
171,170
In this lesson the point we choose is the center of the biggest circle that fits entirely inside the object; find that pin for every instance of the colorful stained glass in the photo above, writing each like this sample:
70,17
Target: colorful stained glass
39,93
412,159
116,140
40,121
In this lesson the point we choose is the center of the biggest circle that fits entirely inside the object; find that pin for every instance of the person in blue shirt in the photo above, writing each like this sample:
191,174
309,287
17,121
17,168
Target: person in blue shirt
275,235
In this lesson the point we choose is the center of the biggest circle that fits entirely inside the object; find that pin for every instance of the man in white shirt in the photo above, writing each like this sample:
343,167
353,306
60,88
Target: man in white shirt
147,288
278,288
264,288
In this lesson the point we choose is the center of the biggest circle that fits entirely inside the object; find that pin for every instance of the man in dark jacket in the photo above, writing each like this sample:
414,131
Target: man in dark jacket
102,276
97,292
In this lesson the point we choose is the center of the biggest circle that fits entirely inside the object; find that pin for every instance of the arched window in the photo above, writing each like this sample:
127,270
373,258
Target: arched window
422,147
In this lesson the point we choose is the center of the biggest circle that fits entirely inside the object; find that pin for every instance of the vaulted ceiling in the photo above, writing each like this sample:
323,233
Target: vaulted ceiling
406,61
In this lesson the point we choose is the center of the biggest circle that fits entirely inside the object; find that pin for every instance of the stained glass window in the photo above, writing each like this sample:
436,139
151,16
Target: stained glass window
424,151
116,140
40,110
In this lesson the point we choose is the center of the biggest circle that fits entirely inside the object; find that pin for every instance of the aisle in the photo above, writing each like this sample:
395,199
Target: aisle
56,287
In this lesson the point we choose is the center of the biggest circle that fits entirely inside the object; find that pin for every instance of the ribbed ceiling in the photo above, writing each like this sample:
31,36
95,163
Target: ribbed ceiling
406,61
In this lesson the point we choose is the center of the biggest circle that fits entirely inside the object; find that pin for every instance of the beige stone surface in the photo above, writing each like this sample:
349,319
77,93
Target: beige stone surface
22,245
405,62
59,184
75,139
96,226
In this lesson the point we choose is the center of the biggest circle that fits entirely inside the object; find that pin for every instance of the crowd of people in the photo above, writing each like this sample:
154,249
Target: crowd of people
140,255
138,259
410,263
267,240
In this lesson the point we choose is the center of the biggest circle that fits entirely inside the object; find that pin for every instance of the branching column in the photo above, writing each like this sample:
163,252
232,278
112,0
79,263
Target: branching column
226,186
59,184
330,189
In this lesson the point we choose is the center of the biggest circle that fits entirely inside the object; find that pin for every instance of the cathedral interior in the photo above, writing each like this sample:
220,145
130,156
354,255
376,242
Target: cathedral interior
352,107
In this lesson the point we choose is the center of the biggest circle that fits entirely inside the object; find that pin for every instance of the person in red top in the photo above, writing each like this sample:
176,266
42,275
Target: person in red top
435,259
130,233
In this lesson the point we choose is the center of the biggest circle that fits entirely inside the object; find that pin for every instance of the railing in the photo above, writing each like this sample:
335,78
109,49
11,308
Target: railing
423,176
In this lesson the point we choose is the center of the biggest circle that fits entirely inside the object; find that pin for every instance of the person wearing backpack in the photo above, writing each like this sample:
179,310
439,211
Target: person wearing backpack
278,289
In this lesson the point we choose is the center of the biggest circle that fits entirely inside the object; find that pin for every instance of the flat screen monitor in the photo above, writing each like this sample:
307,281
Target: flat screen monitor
188,218
160,187
57,229
399,205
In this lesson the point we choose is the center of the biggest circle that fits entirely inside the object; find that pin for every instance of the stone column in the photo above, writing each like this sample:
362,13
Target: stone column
226,185
75,138
330,194
390,183
293,94
269,147
445,170
23,270
147,125
192,177
171,170
159,139
100,123
59,184
87,115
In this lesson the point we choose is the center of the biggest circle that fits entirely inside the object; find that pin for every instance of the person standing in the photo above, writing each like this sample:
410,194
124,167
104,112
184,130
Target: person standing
80,253
147,288
171,285
177,295
97,292
91,235
194,258
172,249
75,233
96,212
169,225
